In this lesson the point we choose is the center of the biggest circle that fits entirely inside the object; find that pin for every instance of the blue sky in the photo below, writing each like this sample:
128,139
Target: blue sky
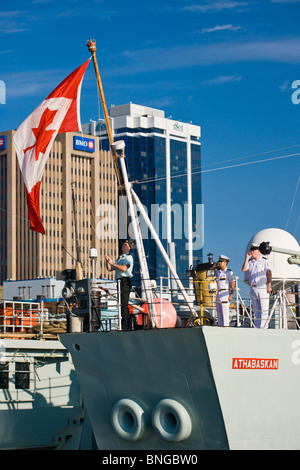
227,66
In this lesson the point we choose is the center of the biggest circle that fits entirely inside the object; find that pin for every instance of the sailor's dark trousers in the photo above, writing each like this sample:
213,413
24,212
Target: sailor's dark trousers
125,286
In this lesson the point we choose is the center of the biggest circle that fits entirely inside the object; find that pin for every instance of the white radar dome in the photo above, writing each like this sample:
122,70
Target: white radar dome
281,269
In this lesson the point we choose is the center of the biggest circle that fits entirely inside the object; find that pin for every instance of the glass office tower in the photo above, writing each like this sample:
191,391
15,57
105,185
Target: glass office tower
164,162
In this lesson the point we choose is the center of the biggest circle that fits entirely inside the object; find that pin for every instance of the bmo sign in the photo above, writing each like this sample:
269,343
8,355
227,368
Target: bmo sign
2,142
82,143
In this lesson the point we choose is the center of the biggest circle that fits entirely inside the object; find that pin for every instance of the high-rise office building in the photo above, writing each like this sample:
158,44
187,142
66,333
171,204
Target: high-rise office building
78,188
164,161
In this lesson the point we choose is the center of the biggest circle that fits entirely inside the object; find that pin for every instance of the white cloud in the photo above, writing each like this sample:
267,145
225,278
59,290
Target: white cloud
223,79
150,60
33,82
38,83
284,1
37,2
286,86
13,30
11,14
217,6
224,27
12,22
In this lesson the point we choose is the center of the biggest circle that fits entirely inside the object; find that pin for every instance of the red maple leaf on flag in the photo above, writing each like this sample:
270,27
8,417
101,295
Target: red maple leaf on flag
66,118
43,136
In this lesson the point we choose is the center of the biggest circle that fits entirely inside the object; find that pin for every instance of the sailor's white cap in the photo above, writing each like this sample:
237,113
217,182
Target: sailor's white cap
224,258
254,246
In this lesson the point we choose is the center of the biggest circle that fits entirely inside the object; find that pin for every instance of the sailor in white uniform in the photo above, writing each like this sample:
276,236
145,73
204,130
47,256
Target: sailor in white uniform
225,289
260,279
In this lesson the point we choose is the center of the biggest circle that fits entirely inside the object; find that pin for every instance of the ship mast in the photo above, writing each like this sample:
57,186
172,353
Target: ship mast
146,285
118,150
92,48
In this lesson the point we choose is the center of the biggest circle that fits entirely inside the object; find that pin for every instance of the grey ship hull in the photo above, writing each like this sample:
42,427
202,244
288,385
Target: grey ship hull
238,387
48,412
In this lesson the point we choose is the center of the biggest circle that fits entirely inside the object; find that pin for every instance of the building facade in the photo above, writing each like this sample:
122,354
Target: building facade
164,162
78,189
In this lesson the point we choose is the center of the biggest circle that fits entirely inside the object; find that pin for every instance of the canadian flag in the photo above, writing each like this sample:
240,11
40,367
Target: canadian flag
59,112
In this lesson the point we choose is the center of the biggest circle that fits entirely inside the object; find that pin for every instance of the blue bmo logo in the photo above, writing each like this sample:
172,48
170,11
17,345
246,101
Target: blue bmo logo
2,142
82,143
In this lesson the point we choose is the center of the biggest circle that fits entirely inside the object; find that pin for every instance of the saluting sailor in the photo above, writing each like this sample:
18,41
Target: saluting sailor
225,289
260,279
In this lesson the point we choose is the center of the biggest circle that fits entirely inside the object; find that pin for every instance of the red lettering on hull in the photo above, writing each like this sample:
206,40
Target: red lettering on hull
254,363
